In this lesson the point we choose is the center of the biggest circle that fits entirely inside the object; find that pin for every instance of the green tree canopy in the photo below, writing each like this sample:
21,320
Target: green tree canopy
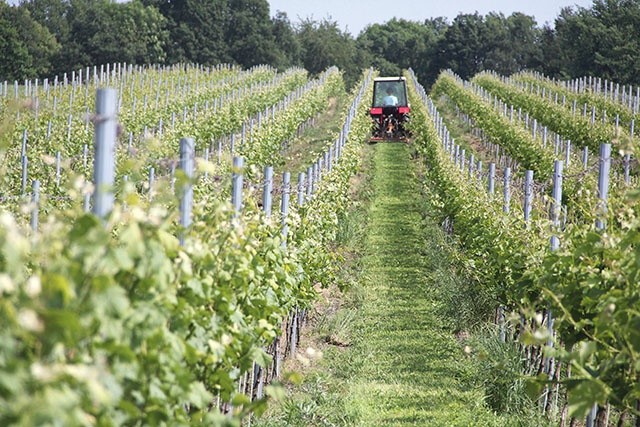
398,44
45,37
324,44
196,30
462,47
27,47
287,43
93,32
603,40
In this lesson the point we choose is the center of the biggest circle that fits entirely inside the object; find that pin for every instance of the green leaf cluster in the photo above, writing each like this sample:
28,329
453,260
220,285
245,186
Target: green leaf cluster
515,140
574,127
589,284
601,102
498,245
592,284
265,145
115,323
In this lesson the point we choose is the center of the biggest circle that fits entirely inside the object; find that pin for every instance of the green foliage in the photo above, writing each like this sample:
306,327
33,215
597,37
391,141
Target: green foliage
600,40
319,217
148,149
500,371
109,32
498,245
602,104
398,44
115,323
28,47
266,142
197,30
324,44
574,127
474,43
288,52
515,140
592,283
118,324
249,34
99,32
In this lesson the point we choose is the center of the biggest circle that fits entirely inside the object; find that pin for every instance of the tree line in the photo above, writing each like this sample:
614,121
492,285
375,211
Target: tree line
42,38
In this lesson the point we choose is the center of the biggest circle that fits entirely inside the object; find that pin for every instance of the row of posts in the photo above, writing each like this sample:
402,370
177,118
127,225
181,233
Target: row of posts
609,90
104,163
560,146
603,190
295,94
24,158
104,178
104,74
218,102
306,187
554,97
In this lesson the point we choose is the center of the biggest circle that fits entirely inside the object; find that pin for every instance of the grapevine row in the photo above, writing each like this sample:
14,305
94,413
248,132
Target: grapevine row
529,151
115,322
209,124
584,285
580,130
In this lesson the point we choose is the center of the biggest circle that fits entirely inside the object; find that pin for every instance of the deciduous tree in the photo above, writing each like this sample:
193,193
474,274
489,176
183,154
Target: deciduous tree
27,47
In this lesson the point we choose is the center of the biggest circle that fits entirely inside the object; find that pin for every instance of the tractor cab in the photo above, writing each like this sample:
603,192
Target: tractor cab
389,109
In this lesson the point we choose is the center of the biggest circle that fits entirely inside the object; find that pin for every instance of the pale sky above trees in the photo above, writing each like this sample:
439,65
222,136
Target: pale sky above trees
354,15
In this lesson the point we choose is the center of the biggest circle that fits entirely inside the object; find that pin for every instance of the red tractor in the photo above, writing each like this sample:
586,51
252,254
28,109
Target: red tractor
389,109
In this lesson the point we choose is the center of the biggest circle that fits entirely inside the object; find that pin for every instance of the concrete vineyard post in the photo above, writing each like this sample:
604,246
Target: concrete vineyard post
35,201
267,190
603,191
25,173
104,156
314,178
309,182
555,244
187,165
330,158
492,176
528,195
603,184
301,177
237,183
284,207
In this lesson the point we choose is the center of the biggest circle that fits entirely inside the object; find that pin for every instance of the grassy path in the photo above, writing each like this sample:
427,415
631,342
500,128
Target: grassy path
402,363
314,139
412,373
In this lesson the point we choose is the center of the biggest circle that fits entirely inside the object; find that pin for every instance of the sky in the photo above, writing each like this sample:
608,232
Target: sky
354,15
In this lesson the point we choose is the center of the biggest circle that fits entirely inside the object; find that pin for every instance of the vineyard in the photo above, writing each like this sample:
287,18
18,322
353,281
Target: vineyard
167,233
555,249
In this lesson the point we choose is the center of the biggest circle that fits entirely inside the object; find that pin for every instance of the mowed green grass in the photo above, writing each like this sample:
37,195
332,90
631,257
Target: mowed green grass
413,370
404,365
